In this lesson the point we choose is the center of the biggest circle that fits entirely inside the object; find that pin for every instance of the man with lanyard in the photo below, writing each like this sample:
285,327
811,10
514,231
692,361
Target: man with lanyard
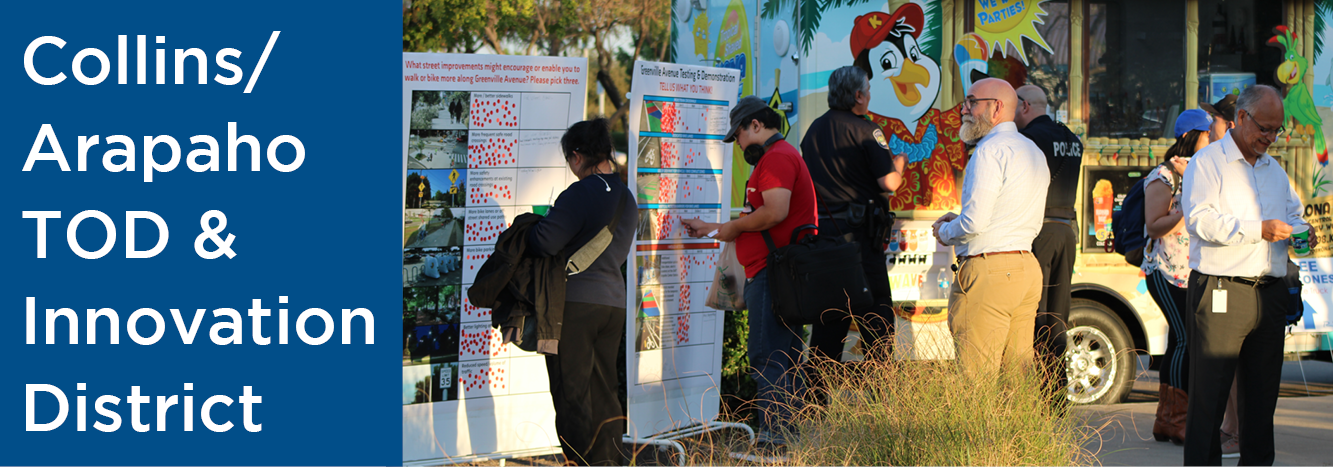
1240,210
1058,239
852,169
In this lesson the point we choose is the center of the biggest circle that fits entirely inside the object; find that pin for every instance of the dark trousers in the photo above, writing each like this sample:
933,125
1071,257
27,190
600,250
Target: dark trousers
1054,248
1174,301
1248,337
876,322
585,384
774,348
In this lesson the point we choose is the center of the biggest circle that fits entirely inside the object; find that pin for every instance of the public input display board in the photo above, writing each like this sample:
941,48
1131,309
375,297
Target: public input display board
481,145
679,169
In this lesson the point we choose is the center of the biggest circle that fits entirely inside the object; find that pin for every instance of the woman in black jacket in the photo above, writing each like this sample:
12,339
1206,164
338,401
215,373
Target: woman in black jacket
583,372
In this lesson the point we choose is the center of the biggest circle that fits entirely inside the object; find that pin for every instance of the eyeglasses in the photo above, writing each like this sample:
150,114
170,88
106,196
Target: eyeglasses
971,102
1265,131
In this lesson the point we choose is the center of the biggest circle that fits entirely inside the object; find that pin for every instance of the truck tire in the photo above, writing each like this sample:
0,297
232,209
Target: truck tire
1099,358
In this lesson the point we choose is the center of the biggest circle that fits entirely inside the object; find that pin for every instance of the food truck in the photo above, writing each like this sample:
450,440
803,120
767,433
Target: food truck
1117,73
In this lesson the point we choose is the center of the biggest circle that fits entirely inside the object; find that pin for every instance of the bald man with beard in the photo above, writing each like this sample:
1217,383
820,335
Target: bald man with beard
993,301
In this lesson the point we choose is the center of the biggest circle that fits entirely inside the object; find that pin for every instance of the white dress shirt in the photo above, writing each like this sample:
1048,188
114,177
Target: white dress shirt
1226,224
1004,195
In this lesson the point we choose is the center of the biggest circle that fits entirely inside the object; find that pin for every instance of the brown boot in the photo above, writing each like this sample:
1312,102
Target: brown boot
1161,427
1180,401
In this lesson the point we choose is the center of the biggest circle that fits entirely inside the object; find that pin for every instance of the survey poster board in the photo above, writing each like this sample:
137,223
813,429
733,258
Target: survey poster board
481,145
1316,266
1104,191
679,169
197,230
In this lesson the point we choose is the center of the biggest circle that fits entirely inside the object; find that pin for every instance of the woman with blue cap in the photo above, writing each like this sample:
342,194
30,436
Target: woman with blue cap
1166,266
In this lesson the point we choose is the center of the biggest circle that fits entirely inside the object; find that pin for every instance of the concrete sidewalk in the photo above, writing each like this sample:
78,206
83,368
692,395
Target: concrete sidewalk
1303,424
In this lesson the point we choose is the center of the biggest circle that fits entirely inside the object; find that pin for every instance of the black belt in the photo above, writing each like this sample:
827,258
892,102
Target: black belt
1068,222
1256,282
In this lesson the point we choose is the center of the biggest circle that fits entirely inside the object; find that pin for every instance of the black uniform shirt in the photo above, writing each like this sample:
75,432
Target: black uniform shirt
1064,158
846,155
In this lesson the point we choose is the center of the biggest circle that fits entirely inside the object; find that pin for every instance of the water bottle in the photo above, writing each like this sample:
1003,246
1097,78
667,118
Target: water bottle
944,281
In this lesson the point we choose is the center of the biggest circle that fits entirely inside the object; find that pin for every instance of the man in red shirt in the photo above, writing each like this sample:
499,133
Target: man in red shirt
779,197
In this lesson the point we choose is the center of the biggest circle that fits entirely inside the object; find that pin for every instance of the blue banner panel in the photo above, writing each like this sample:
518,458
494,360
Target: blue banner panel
202,239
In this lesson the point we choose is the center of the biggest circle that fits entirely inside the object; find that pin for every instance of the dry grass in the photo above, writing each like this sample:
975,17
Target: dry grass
923,413
912,413
932,413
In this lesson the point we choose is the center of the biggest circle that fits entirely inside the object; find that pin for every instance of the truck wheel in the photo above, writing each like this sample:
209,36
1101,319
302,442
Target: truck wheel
1098,357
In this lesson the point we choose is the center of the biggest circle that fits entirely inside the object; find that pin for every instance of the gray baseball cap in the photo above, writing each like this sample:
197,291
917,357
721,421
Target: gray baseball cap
742,111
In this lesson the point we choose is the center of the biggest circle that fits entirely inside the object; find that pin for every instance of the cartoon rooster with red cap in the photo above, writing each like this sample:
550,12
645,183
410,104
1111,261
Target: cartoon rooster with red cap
904,84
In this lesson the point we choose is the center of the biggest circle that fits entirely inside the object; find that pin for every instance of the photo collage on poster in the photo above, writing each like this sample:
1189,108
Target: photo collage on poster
475,161
678,175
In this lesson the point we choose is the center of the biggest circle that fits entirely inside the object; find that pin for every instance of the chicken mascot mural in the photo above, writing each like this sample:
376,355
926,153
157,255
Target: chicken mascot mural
904,84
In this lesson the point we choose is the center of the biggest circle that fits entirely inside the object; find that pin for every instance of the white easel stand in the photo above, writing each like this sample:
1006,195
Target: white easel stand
667,439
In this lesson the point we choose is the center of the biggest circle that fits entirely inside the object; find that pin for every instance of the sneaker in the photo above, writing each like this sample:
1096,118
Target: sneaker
1230,446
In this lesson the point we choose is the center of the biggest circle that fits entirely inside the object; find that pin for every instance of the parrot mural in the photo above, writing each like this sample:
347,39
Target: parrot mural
1298,106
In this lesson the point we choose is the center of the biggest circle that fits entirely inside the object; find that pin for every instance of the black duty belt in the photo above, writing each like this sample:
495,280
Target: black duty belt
1256,282
1068,222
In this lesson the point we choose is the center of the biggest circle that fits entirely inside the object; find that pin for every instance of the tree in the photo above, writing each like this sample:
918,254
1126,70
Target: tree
504,26
414,182
546,27
462,26
648,22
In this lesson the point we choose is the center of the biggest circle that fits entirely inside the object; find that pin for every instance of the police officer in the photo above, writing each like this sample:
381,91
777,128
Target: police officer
852,168
1058,239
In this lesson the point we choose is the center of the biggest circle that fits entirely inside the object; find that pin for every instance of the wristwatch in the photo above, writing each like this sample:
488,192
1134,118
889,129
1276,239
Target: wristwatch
713,234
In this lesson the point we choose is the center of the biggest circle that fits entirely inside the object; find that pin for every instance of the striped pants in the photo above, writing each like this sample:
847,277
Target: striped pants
1172,300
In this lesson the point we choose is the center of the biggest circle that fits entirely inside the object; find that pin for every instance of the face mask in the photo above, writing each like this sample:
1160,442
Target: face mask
754,152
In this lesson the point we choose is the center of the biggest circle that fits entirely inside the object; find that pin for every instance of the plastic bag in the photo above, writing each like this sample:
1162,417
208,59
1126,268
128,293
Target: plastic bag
728,289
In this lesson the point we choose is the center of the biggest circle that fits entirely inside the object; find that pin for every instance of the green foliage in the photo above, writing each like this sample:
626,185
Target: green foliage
812,12
422,115
542,27
670,55
771,8
737,386
1323,9
420,304
457,25
414,181
1320,183
932,34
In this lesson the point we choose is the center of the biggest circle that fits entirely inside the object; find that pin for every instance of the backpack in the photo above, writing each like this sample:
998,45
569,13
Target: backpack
1127,224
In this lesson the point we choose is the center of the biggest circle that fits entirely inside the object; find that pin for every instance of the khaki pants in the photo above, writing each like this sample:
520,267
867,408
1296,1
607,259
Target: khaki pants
992,311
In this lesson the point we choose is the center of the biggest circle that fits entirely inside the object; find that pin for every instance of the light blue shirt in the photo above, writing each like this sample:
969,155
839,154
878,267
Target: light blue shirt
1226,225
1004,195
